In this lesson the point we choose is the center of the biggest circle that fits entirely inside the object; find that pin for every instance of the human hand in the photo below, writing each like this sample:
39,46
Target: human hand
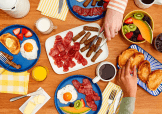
127,82
112,23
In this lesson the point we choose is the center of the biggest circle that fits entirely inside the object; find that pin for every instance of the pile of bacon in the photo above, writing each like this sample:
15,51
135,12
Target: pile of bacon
63,52
86,88
88,11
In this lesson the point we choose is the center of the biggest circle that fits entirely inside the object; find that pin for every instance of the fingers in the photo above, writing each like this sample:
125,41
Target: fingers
122,72
107,32
119,73
112,32
134,72
128,68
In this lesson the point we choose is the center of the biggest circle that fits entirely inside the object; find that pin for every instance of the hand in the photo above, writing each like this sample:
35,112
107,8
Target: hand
127,82
112,23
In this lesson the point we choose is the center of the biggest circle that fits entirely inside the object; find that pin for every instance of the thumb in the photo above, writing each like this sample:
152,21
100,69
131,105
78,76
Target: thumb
102,28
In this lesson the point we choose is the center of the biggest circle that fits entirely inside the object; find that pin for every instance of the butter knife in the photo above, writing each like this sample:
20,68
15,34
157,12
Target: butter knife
116,103
38,92
60,5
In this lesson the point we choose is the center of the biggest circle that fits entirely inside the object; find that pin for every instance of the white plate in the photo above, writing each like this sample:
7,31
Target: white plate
50,42
38,106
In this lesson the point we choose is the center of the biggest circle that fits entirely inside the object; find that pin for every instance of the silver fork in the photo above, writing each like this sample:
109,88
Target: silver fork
111,98
3,58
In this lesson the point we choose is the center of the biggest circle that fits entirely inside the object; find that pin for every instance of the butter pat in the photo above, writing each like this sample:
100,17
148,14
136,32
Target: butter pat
29,108
9,42
39,99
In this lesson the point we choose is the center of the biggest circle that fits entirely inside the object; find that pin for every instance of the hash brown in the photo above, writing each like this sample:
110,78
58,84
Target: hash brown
144,70
11,43
154,79
123,58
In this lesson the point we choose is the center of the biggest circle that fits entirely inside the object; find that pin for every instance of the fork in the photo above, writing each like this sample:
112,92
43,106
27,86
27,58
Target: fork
111,98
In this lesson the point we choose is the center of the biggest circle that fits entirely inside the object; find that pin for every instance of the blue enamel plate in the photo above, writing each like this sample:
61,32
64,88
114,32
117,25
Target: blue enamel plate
19,59
155,64
71,3
80,95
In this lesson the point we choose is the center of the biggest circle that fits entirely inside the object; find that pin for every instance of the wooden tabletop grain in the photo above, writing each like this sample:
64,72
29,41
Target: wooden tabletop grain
145,103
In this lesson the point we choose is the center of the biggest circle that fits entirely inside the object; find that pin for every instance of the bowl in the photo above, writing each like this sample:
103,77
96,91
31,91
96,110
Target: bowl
130,15
156,42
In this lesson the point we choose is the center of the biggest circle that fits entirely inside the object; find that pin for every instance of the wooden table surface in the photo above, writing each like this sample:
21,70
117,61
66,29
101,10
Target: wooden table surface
145,103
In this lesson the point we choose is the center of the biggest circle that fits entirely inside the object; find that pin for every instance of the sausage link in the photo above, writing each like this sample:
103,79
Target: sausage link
85,4
90,51
96,55
98,43
88,28
90,40
94,2
78,35
85,37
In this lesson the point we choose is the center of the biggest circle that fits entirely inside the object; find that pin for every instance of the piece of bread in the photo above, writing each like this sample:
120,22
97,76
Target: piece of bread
136,59
144,70
154,79
11,43
123,58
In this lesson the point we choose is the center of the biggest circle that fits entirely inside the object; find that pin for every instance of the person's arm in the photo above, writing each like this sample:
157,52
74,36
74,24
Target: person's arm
128,85
127,105
113,18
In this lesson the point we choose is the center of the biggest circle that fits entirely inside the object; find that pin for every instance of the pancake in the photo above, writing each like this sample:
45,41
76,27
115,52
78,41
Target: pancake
10,42
144,70
154,80
123,58
136,59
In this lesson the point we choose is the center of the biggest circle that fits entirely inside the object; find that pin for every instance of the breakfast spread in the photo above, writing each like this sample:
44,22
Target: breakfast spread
11,43
138,28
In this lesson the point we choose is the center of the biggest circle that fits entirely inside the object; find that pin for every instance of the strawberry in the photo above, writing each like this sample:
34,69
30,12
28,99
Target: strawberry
105,5
106,1
83,103
20,36
28,34
140,37
16,31
129,35
24,30
129,21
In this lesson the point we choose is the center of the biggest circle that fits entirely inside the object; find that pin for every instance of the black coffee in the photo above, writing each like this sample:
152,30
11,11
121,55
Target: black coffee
147,1
106,71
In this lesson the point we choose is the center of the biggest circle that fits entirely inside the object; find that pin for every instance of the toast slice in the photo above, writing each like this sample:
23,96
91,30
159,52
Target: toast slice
123,58
154,80
11,43
144,70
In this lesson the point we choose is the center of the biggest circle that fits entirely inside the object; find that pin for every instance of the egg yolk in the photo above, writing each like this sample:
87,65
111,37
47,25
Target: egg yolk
67,96
28,47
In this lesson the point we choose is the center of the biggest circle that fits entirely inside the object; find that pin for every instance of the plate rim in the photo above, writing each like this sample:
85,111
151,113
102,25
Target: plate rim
39,53
72,76
84,19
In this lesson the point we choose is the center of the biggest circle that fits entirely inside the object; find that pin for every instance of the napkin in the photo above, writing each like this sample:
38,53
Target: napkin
15,83
50,8
105,95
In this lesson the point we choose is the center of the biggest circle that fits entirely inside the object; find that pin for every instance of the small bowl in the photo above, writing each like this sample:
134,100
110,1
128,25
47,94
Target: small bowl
155,39
130,15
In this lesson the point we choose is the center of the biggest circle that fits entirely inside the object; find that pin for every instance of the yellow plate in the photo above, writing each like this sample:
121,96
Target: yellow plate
130,15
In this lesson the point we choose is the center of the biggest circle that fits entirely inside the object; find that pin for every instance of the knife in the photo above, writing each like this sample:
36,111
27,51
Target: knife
38,92
96,39
60,5
116,103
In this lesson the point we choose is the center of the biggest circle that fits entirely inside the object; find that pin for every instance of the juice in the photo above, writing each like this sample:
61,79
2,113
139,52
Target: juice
39,73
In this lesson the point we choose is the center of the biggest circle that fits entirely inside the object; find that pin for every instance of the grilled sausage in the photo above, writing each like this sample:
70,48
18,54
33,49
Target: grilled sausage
78,35
88,28
85,4
90,40
90,51
85,37
96,55
98,43
94,3
85,47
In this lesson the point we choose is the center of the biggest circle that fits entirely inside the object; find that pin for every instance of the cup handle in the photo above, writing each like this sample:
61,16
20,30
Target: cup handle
96,79
159,2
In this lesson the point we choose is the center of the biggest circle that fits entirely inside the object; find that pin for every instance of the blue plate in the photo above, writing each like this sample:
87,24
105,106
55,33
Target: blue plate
19,59
80,95
71,3
155,64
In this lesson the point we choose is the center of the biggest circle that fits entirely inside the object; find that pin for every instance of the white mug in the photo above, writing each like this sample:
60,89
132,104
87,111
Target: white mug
142,5
98,77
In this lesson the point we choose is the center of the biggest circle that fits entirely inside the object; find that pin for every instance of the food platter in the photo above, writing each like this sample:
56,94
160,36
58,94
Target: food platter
80,95
19,59
50,43
155,64
71,3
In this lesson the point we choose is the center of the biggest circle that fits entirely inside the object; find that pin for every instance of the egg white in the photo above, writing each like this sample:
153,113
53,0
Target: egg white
29,55
67,88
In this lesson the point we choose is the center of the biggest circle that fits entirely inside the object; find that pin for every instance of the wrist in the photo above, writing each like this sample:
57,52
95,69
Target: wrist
125,94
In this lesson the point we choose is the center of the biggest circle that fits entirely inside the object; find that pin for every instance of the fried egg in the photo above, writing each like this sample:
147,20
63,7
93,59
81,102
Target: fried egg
67,94
29,49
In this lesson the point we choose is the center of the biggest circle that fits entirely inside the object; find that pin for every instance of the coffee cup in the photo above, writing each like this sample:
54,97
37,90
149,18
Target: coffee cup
105,71
147,3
